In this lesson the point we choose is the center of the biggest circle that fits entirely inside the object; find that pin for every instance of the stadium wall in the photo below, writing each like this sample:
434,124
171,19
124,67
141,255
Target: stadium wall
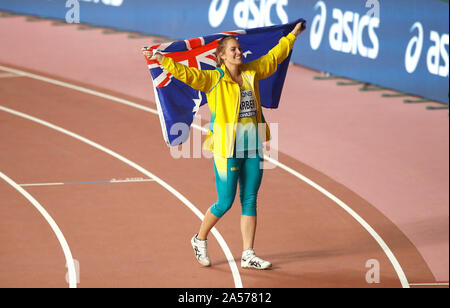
401,45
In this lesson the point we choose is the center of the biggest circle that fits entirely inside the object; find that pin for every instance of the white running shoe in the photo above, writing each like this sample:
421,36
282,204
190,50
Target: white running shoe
251,261
201,251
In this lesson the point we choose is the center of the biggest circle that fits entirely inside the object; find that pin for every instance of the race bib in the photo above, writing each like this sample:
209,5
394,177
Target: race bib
248,104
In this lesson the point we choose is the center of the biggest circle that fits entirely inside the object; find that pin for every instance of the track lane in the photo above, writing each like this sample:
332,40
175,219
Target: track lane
339,202
70,264
30,255
113,225
184,182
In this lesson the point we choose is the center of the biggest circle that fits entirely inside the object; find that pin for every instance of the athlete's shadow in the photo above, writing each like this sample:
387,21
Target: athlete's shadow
435,230
292,257
363,246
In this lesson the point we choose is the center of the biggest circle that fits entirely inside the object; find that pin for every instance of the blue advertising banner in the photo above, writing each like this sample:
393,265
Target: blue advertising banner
401,44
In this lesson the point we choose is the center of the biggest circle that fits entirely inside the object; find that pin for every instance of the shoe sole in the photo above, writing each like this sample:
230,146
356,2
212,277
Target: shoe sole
256,268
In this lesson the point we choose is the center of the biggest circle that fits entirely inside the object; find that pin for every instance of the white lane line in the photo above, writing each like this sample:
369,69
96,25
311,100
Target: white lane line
193,208
9,75
130,180
40,184
429,284
113,181
359,219
398,269
78,88
62,240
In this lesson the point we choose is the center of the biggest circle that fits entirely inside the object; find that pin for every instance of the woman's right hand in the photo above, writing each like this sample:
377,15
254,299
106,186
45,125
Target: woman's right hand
299,28
149,54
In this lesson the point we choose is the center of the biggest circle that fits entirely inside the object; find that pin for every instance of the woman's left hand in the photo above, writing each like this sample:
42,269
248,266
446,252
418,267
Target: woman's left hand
299,28
149,54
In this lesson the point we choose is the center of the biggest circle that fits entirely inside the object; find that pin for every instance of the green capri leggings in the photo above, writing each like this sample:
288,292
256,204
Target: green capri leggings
228,171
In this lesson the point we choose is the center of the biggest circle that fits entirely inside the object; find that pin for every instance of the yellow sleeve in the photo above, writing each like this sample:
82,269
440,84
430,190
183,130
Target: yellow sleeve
267,64
201,80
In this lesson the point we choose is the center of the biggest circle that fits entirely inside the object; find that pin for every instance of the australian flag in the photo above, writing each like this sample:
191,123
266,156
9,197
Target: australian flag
178,103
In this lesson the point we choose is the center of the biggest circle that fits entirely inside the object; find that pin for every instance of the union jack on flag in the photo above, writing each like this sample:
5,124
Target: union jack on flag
178,103
192,52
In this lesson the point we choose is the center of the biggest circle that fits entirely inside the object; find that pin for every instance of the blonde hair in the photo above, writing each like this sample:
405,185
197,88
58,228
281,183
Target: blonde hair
221,48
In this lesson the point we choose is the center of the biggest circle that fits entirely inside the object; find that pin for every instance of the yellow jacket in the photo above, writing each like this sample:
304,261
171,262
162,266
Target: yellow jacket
224,95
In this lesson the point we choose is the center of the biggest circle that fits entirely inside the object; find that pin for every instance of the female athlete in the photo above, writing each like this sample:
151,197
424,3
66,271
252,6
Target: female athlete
235,135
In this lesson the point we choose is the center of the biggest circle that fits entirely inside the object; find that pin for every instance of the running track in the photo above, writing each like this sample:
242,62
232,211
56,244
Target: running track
136,232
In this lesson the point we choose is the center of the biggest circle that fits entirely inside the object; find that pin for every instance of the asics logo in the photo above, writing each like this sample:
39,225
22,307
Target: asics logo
247,14
437,54
254,263
197,253
349,30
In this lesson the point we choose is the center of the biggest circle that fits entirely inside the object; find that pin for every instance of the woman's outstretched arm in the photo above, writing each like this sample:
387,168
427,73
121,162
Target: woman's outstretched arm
201,80
268,64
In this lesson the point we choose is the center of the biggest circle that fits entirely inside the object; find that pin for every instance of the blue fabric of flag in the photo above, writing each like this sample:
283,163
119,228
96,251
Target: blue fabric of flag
178,103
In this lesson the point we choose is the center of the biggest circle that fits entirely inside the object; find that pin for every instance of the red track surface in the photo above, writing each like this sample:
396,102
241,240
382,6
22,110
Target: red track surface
136,234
